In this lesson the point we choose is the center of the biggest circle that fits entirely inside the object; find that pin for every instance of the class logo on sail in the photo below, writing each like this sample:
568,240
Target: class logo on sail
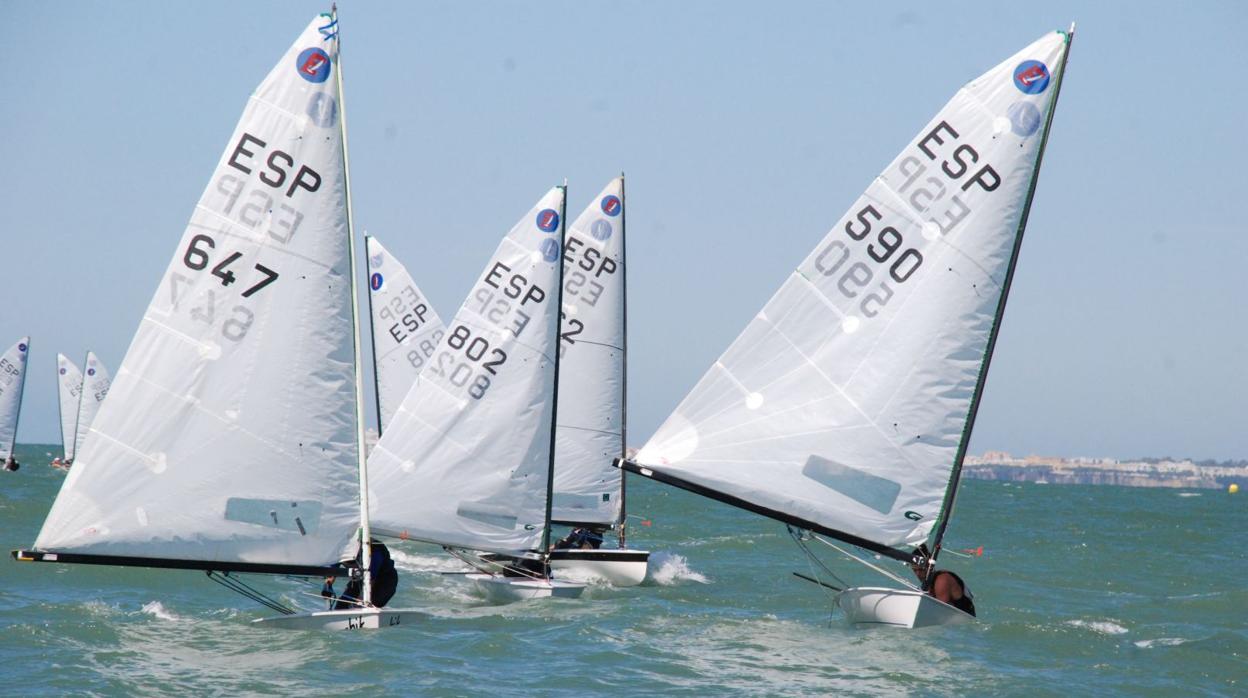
1031,77
313,65
21,347
611,205
548,220
375,281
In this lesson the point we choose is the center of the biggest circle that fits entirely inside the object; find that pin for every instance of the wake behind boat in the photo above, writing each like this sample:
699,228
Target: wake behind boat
845,407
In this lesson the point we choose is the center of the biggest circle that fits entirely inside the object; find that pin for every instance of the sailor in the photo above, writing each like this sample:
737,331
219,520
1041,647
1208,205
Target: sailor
942,585
11,464
580,539
385,580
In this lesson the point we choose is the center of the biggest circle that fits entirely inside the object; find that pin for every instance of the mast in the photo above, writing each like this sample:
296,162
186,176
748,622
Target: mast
946,508
623,524
372,336
554,410
366,548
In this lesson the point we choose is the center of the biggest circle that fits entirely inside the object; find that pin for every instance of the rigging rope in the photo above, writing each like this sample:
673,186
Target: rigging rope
240,587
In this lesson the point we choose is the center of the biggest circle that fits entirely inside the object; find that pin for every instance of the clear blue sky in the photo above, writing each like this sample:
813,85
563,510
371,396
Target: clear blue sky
745,129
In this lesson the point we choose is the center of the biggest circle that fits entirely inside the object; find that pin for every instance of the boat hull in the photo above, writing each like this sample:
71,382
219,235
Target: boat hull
621,568
499,589
354,619
903,608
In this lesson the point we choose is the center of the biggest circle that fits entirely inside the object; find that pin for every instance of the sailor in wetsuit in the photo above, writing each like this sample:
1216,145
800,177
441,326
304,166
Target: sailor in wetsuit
11,464
943,585
385,580
579,539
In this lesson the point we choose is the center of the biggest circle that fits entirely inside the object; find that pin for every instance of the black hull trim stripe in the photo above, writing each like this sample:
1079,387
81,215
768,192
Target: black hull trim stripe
600,555
762,510
174,564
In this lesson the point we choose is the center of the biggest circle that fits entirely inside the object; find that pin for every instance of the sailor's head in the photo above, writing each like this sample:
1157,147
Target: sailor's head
920,559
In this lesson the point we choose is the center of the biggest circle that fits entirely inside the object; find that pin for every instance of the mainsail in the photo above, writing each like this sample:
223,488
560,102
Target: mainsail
846,405
406,329
95,384
229,437
466,461
69,394
12,381
589,435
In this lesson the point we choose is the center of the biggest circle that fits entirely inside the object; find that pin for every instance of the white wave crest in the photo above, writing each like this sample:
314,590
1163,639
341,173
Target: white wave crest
157,609
669,569
1105,627
1189,494
413,562
1160,642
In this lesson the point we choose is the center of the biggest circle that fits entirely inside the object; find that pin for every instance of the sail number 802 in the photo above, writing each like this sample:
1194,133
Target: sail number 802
478,351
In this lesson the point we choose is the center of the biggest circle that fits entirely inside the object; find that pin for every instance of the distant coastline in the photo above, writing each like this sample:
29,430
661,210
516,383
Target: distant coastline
1143,472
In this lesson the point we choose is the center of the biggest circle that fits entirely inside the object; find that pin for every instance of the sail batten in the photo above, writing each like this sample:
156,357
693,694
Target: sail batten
230,435
846,402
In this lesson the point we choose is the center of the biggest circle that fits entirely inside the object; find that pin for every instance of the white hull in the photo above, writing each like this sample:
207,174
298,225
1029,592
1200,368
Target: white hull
621,568
904,608
499,589
354,619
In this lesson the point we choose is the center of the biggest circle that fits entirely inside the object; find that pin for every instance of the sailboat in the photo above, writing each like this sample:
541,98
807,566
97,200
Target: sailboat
845,407
405,329
95,383
232,440
467,460
590,434
12,383
69,394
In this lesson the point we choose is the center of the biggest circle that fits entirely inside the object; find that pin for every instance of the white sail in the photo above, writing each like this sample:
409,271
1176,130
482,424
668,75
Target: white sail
95,384
846,401
591,365
406,329
12,381
466,460
69,393
229,431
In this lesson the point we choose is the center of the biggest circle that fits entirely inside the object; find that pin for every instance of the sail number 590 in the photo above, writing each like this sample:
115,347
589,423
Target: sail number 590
851,280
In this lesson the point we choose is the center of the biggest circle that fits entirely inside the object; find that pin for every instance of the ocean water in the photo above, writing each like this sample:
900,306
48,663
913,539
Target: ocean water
1081,590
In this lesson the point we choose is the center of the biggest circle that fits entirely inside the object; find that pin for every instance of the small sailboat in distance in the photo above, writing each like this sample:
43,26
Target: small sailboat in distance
591,431
405,329
232,438
12,384
95,383
845,407
467,461
69,394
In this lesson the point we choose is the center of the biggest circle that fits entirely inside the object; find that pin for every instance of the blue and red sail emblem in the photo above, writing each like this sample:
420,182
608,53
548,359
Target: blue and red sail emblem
313,65
375,281
21,347
62,371
548,220
90,371
611,205
1031,77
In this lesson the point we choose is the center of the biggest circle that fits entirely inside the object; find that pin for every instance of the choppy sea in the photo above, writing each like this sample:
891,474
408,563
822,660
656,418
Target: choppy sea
1081,590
